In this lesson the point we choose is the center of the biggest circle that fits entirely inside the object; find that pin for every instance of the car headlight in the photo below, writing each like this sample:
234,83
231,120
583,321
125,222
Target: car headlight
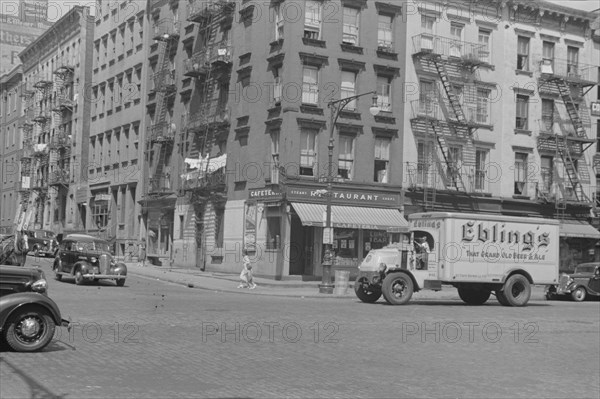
94,259
45,242
382,267
40,286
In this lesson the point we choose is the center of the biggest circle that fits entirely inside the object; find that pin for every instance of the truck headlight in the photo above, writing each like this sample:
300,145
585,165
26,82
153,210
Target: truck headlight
93,259
40,286
382,267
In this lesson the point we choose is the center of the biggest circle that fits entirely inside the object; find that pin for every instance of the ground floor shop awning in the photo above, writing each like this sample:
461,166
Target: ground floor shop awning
352,217
578,229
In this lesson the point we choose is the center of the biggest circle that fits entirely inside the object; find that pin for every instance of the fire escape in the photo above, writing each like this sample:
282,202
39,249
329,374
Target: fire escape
570,81
161,134
450,115
60,142
28,94
211,67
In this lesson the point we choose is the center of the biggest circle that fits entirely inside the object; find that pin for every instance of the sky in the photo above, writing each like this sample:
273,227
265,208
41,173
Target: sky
586,5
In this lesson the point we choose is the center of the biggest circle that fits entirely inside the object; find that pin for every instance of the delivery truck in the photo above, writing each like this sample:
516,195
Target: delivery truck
479,254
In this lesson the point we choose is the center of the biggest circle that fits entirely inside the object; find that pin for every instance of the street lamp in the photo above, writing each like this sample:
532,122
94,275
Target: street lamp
336,107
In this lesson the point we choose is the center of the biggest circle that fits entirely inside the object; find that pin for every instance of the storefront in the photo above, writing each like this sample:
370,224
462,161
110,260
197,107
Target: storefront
286,228
578,241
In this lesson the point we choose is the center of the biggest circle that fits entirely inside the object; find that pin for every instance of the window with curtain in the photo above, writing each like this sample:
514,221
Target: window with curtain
424,152
310,81
384,93
308,152
483,105
481,159
348,88
384,31
453,167
520,173
312,20
548,56
346,157
277,85
456,33
546,169
350,26
572,61
382,159
523,53
484,41
427,32
547,114
521,121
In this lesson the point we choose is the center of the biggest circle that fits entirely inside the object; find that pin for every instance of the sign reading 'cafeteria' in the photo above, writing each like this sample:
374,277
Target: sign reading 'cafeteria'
344,196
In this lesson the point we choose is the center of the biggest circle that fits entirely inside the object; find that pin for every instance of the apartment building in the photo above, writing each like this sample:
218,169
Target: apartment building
56,79
10,147
498,115
116,124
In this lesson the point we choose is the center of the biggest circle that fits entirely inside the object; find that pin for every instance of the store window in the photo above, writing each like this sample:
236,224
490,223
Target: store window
374,239
345,243
273,232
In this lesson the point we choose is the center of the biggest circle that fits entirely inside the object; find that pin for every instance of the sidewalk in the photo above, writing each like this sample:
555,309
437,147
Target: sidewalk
225,282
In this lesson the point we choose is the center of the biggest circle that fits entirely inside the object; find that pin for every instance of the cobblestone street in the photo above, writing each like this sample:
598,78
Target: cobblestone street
156,339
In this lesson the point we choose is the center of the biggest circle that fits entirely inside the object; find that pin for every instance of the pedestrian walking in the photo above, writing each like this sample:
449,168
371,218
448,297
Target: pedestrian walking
246,274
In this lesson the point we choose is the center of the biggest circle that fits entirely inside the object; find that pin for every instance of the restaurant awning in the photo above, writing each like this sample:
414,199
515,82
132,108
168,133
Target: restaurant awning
352,217
578,229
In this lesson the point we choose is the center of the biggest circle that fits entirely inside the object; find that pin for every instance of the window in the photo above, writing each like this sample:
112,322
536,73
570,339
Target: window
279,21
350,26
104,48
547,115
484,41
424,152
100,213
382,159
427,28
123,207
522,112
384,93
273,231
572,61
310,91
454,164
348,88
456,35
598,137
426,97
219,226
308,152
384,32
520,173
523,53
483,106
346,157
113,44
181,226
312,20
481,159
546,168
548,57
131,36
275,157
97,51
277,85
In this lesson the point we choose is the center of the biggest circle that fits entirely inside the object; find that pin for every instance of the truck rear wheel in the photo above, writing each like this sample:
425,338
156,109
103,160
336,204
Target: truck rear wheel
474,297
368,295
397,288
517,290
501,298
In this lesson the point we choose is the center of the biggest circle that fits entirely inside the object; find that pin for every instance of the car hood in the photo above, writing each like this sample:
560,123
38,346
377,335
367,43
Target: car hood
19,271
580,275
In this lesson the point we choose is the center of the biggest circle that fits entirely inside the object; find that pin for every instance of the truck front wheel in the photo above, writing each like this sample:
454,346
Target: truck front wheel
397,288
517,290
473,297
364,292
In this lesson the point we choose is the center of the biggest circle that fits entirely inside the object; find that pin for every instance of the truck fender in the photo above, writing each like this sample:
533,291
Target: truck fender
515,271
416,286
11,303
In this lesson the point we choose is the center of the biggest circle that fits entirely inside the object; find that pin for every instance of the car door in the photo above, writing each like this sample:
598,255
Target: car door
67,258
594,283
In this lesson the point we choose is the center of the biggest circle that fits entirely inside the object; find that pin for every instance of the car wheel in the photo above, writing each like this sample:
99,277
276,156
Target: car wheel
79,277
120,282
473,297
579,294
517,290
29,330
365,294
57,274
501,298
397,288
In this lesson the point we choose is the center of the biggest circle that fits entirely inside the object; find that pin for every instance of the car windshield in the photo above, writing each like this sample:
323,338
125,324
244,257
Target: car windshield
97,246
44,234
585,269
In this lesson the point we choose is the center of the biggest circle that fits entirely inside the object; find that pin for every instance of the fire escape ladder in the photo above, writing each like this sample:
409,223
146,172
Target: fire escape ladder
565,93
560,204
452,97
571,169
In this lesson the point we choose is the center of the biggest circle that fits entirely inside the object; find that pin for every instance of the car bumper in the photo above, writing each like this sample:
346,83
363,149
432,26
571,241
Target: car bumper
111,276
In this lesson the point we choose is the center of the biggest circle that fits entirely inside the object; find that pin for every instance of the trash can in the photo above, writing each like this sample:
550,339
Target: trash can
342,278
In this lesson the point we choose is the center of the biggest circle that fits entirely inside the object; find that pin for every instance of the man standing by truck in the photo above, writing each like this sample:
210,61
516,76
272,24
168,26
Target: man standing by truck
422,249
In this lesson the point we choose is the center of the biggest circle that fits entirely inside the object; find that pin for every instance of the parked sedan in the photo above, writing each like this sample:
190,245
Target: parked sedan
87,258
28,317
42,242
583,282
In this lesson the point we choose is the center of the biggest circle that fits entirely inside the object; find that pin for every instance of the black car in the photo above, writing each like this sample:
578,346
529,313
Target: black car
28,317
42,242
583,282
87,258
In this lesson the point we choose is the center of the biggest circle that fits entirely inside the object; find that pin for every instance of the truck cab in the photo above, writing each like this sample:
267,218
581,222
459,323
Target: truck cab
476,253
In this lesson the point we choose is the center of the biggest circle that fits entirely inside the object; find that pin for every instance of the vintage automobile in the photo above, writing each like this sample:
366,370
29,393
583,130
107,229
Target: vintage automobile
42,242
28,317
583,282
87,258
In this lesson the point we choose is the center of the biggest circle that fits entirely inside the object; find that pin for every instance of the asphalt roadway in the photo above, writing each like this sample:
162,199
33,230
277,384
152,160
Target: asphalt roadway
166,334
